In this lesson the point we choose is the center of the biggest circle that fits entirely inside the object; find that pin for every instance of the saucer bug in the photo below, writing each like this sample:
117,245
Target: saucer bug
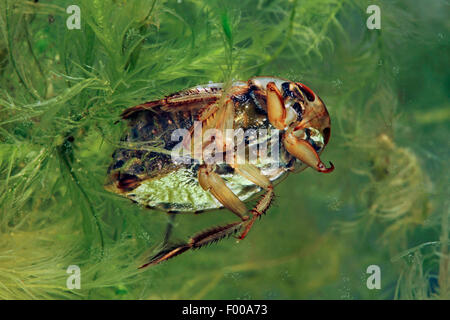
288,114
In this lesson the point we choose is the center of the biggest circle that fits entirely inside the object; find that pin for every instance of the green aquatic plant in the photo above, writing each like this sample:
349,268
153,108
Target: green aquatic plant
426,273
61,94
398,192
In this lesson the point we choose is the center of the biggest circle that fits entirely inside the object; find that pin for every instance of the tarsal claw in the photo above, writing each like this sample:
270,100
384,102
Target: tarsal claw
302,150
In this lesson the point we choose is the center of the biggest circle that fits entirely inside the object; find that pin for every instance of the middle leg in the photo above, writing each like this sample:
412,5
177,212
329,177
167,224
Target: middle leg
211,181
252,173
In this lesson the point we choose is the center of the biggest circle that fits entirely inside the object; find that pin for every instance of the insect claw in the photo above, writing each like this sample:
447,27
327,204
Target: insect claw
323,169
290,107
303,150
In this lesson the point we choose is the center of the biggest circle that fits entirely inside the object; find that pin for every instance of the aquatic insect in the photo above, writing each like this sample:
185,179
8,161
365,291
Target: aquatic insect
288,114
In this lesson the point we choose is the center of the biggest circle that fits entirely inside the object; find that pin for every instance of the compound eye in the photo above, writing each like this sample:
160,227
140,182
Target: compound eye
309,94
326,135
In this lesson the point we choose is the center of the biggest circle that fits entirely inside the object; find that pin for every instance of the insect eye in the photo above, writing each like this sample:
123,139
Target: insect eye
326,135
307,91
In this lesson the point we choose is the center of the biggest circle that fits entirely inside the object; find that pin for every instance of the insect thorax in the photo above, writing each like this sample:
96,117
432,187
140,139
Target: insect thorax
144,171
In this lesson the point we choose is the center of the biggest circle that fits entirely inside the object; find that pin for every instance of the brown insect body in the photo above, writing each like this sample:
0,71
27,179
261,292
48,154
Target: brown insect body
260,103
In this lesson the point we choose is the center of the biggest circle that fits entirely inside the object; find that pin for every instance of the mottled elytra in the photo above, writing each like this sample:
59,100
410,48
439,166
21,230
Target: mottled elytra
287,114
